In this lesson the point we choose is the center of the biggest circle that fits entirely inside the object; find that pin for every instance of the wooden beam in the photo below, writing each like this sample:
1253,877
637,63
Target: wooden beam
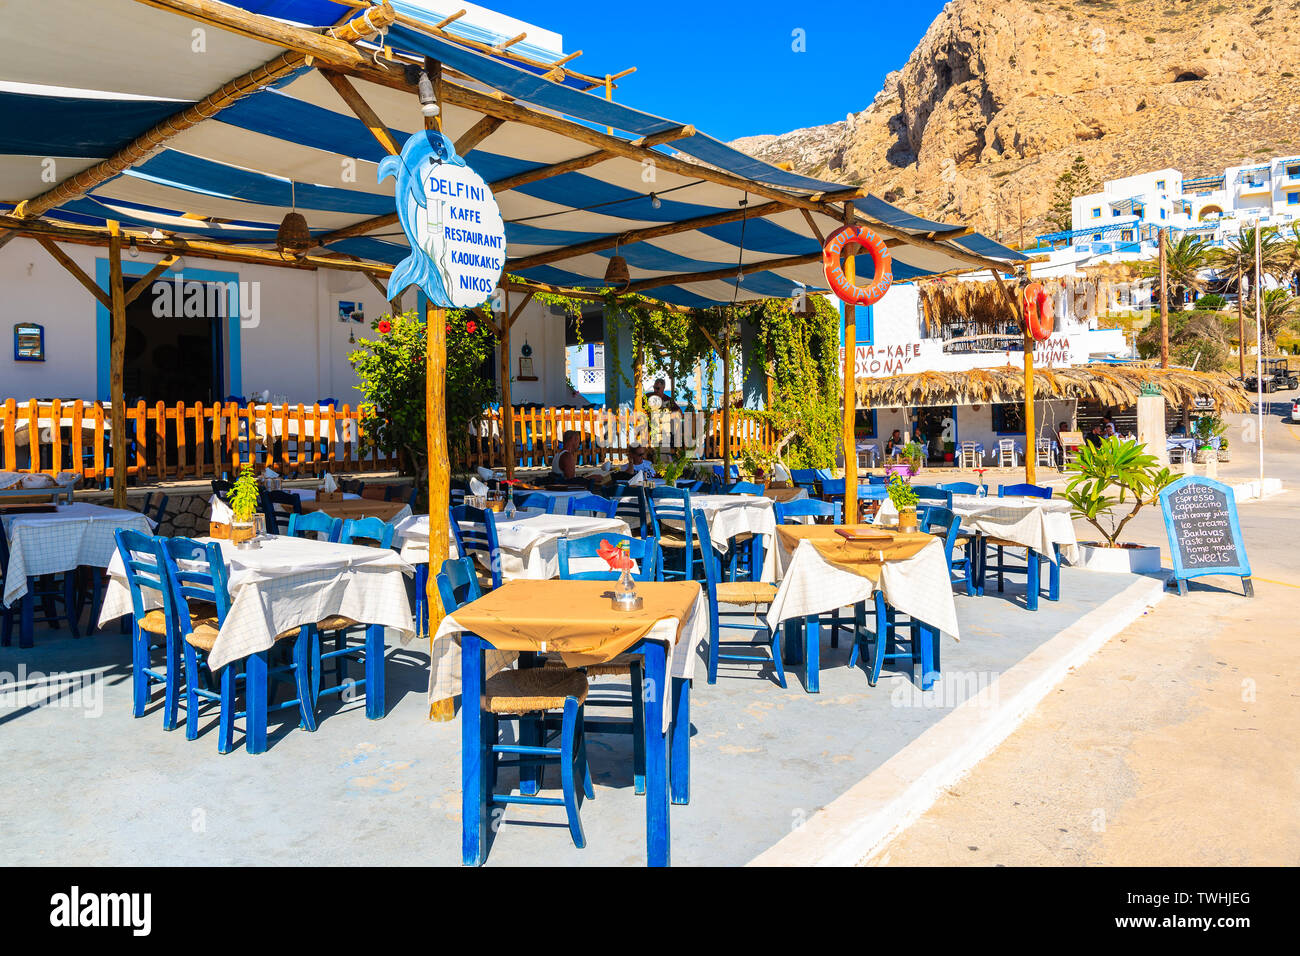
357,103
502,47
511,316
686,278
650,232
359,228
584,162
117,363
480,131
812,224
76,271
146,280
143,146
503,359
7,237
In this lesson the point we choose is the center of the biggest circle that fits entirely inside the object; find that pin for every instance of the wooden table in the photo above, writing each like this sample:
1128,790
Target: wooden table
356,508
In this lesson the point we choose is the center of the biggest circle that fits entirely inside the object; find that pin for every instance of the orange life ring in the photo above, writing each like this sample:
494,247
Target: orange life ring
1039,311
881,260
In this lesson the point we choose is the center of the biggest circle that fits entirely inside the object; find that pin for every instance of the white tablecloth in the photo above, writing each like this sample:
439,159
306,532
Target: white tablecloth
920,586
77,535
289,582
1038,523
45,421
529,543
309,494
730,515
683,639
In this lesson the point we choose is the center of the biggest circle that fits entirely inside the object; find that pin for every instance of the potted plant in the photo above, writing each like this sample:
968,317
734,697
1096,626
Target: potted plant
244,498
904,500
1205,429
1109,477
949,452
913,455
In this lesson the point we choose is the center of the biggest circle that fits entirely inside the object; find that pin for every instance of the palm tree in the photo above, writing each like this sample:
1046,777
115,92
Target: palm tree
1184,261
1238,254
1280,311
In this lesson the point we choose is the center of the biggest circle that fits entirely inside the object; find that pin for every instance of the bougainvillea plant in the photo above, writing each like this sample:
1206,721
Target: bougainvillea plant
391,373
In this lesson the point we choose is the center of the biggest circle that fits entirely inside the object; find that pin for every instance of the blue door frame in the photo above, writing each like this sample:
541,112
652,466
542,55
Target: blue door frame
231,360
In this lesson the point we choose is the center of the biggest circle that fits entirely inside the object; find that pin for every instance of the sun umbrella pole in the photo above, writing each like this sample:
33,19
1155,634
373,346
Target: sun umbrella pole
118,357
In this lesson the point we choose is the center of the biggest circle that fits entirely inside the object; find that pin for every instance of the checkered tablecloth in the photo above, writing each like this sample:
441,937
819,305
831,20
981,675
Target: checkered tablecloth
730,515
289,582
684,639
529,543
919,586
77,535
1038,523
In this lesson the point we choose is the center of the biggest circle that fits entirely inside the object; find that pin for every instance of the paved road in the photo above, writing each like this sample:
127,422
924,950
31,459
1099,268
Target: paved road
1176,743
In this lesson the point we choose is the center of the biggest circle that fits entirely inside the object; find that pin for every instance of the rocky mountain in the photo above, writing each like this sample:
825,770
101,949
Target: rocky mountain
1000,96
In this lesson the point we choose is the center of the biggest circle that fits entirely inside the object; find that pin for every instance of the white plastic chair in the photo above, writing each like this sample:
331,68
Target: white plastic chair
1044,454
969,457
1006,453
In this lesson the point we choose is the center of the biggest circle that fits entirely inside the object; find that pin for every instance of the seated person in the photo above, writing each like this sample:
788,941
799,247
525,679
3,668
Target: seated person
636,461
564,466
1094,435
895,443
665,400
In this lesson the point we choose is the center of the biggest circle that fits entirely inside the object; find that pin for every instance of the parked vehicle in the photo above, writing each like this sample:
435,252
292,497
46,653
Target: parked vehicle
1278,376
1295,412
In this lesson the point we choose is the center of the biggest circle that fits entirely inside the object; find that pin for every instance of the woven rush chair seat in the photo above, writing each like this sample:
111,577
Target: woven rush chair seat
671,537
620,666
201,612
532,689
1003,543
204,636
745,592
335,622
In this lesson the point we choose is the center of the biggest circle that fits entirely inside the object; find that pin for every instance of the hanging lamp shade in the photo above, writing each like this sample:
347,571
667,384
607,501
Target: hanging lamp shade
293,235
616,274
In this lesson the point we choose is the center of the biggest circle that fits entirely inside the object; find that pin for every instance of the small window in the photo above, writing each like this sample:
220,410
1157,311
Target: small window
1162,214
1293,171
1114,213
1096,212
1126,235
1160,184
1293,199
1009,419
1096,237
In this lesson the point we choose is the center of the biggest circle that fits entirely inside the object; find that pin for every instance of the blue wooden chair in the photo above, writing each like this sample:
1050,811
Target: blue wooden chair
155,507
805,478
690,484
536,501
272,502
1032,566
674,505
458,583
733,473
478,535
809,508
632,504
314,523
943,523
742,594
963,487
52,590
1029,491
921,640
195,571
831,489
396,492
593,506
743,488
644,551
149,626
934,493
374,532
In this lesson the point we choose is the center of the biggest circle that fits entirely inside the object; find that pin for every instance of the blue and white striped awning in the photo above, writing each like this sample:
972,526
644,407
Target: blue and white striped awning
85,79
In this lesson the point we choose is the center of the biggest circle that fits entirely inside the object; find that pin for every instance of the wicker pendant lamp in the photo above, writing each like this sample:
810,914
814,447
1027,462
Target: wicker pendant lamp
616,274
293,235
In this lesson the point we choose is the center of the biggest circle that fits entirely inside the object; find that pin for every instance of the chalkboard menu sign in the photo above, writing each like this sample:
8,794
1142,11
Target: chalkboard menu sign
1204,534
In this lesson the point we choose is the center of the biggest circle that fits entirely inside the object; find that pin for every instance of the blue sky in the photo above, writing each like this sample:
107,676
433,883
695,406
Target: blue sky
729,67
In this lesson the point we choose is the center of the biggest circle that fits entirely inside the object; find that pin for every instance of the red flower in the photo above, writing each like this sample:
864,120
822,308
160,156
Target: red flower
616,556
470,326
449,328
384,327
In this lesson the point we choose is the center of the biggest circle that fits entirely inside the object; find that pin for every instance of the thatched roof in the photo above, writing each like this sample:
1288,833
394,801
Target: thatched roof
1114,385
981,308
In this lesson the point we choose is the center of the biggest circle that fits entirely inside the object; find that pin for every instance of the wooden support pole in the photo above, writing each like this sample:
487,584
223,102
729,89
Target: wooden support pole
726,404
358,105
850,399
139,286
507,411
89,284
1164,301
117,367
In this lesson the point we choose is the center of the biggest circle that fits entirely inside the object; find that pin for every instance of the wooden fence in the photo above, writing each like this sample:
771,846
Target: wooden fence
200,441
536,434
182,440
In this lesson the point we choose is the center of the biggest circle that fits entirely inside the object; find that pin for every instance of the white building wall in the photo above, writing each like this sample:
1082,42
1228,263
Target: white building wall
297,346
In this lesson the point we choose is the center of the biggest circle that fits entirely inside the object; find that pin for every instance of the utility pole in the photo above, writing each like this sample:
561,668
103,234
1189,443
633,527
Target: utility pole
1241,327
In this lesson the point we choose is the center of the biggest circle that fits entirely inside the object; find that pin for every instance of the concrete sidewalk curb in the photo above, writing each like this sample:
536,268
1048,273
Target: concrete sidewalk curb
863,820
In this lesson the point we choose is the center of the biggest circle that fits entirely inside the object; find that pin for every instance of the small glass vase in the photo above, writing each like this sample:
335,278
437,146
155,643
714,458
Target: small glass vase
625,597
